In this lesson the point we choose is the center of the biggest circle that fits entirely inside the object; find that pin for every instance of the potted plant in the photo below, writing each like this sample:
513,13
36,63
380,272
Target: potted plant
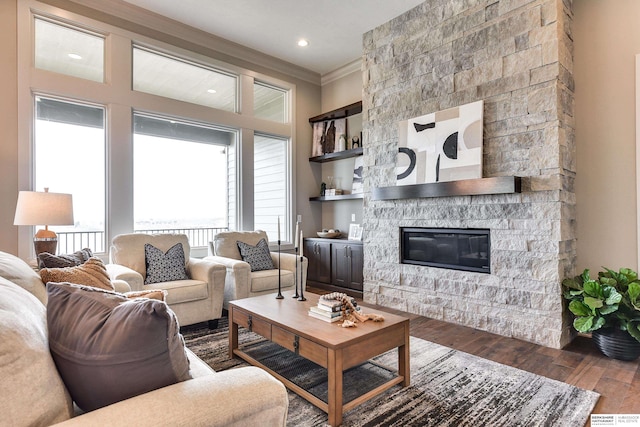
609,308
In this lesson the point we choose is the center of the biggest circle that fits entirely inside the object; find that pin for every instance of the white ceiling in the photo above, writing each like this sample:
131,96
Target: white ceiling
334,28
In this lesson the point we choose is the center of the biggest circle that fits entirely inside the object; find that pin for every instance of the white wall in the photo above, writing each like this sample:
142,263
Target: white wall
606,39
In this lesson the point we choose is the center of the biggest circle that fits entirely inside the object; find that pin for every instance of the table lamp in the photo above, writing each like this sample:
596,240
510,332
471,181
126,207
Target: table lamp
44,208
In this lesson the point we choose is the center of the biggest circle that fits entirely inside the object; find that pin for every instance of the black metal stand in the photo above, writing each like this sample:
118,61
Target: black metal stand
295,280
279,296
301,298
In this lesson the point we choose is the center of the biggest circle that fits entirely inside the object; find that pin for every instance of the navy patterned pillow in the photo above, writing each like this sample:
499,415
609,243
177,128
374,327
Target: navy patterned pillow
257,256
164,267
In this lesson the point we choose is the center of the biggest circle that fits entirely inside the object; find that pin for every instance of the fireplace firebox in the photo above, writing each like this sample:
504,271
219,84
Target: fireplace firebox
457,249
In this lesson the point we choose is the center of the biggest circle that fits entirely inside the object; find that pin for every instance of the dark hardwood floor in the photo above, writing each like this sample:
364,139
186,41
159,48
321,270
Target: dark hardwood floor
580,363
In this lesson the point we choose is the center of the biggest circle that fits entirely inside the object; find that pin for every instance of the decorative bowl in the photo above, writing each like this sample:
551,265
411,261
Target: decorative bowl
327,235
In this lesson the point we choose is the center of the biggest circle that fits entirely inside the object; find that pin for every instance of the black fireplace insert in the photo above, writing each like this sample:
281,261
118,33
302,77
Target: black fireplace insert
453,248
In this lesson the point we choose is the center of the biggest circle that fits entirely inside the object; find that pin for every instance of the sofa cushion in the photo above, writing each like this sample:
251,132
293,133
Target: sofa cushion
91,273
225,243
19,272
180,291
31,391
128,249
267,280
258,256
108,348
164,266
47,260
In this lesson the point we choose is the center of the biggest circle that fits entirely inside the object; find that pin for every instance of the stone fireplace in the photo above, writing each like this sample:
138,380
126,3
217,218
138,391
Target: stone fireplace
516,55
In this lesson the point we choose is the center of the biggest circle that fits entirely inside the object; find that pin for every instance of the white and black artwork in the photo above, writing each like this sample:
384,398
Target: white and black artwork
441,146
357,186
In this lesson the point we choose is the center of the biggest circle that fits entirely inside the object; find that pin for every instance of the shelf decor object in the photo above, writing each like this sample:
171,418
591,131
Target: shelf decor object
279,296
295,250
44,208
301,297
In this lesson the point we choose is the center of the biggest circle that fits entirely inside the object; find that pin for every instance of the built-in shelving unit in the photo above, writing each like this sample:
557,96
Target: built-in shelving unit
338,197
466,187
349,110
346,154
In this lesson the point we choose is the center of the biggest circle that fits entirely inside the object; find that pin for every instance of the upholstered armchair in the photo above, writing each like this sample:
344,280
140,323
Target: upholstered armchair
195,297
240,281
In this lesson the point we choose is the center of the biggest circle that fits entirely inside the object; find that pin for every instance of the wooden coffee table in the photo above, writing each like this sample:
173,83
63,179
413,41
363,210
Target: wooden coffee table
286,322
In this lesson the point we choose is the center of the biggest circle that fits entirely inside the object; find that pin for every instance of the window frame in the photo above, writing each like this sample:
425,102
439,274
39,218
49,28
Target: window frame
120,101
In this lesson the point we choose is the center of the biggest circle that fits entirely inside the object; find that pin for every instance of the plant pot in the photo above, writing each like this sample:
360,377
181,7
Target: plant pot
616,343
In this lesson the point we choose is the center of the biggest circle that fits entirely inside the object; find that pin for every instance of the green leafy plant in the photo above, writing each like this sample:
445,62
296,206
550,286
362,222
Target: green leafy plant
611,300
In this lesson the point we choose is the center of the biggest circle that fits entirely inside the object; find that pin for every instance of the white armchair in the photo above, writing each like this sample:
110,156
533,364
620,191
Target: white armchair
240,281
195,300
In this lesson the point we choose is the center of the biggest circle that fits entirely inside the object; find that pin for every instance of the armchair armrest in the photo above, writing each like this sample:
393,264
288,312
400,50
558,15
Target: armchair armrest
288,262
238,278
132,277
236,397
212,273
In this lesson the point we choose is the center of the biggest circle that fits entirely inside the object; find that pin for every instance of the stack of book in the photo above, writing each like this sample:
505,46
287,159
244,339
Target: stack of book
329,310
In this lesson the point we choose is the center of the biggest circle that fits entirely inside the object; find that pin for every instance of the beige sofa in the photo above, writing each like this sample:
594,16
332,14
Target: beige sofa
198,299
32,392
240,281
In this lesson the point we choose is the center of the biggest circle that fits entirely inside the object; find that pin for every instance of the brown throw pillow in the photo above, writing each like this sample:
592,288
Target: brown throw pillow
159,294
108,348
47,260
91,273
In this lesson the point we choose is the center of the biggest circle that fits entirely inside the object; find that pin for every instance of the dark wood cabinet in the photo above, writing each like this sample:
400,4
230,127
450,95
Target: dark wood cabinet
346,266
335,265
319,255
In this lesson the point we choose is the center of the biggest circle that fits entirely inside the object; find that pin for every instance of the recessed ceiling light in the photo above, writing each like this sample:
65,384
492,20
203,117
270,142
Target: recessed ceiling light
74,56
303,43
211,90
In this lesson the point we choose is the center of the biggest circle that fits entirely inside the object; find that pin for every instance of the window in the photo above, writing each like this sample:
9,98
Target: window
177,79
271,185
165,146
180,177
69,157
269,103
69,50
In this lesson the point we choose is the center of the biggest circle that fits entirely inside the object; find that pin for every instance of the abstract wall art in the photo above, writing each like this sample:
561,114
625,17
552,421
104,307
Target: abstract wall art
441,146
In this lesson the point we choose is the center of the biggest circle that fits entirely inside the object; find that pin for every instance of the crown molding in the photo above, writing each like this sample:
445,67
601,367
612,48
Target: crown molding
346,69
136,19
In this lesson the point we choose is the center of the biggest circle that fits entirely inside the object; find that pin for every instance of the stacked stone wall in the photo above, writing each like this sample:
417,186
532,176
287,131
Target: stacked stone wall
516,56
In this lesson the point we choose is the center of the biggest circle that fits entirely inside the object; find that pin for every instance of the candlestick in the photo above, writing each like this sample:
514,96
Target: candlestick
295,245
279,296
295,278
301,244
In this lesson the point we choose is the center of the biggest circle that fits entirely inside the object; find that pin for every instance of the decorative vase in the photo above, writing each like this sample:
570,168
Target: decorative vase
616,343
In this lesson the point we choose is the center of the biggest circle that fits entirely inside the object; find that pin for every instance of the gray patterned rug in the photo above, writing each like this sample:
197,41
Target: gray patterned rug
448,387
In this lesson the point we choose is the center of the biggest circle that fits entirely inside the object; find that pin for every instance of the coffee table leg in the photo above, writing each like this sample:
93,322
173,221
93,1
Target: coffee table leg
233,334
334,370
403,359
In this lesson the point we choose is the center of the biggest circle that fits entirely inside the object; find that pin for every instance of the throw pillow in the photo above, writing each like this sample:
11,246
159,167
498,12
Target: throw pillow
258,256
32,393
108,348
164,267
47,260
91,273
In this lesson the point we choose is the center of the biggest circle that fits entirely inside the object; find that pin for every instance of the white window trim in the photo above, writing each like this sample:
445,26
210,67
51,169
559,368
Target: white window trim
120,102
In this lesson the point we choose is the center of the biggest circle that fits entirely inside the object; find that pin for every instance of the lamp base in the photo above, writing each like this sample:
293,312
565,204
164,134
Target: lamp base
45,241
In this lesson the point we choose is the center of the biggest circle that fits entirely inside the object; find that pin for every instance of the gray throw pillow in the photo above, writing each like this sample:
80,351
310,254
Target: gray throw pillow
258,256
47,260
164,267
108,348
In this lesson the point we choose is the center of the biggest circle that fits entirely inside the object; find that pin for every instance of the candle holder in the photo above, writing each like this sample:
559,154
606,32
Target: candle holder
279,296
301,297
295,278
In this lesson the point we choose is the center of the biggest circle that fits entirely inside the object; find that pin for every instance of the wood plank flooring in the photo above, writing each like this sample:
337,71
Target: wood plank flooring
580,363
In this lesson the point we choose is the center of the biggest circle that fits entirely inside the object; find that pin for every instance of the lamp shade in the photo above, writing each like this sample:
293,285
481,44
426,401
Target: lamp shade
43,208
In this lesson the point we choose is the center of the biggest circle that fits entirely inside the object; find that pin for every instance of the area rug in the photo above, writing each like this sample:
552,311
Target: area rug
448,387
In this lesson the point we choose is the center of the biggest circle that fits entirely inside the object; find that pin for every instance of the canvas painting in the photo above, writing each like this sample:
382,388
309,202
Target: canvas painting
441,146
357,186
317,148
